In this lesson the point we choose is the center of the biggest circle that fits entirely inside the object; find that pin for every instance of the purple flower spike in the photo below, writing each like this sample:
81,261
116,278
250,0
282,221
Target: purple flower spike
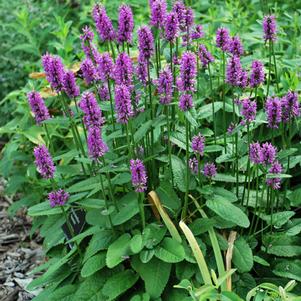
103,23
197,33
275,169
198,144
188,71
255,153
123,70
145,42
87,39
123,103
210,170
171,27
105,66
233,71
58,198
96,146
257,74
194,165
248,110
92,113
125,24
139,176
54,70
89,71
269,28
222,39
290,106
180,10
164,85
38,106
243,79
185,102
141,70
44,162
103,93
235,46
205,56
273,111
158,13
69,84
268,152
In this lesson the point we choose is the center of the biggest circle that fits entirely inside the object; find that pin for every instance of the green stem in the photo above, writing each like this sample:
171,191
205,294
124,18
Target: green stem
141,209
269,76
169,146
248,167
185,207
275,66
224,103
111,104
213,106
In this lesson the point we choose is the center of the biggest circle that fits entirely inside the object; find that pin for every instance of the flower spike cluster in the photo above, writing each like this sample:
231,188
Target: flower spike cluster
58,198
139,176
38,107
44,162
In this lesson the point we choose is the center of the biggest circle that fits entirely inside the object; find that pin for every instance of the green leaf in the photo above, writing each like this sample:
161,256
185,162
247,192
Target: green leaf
136,243
152,235
170,250
154,273
143,129
279,218
179,173
43,209
119,283
168,196
93,264
206,110
294,227
295,197
242,255
261,261
289,269
228,178
118,250
228,211
226,194
201,225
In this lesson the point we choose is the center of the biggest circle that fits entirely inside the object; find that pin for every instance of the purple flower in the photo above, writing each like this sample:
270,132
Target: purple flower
248,110
275,169
233,71
255,153
139,177
171,27
188,18
123,70
243,79
269,28
197,33
105,66
58,198
44,162
185,102
103,93
69,84
103,23
268,152
205,56
290,106
54,70
38,106
273,112
180,10
231,128
188,71
87,38
141,70
210,170
158,13
222,38
194,165
164,86
123,105
145,42
257,74
125,24
235,46
92,113
198,144
88,70
96,146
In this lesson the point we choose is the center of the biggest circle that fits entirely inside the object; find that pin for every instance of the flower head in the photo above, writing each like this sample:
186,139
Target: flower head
197,33
92,113
235,46
222,38
188,71
105,66
145,43
44,162
103,23
205,56
88,70
58,198
123,104
69,84
103,93
243,79
139,176
158,13
248,110
125,24
164,86
123,70
198,144
257,74
268,152
290,106
179,9
185,102
275,169
269,28
96,146
38,106
233,72
87,40
194,165
210,170
141,70
171,27
255,153
273,111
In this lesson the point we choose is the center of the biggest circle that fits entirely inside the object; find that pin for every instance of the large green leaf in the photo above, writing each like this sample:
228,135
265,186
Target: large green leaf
179,173
288,268
118,250
119,283
242,255
93,264
170,250
154,273
228,211
278,219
